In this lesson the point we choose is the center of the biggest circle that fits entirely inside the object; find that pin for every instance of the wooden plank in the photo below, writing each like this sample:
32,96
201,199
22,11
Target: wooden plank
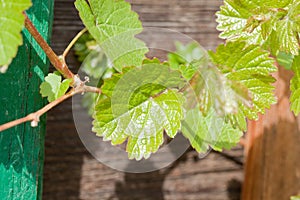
273,166
22,147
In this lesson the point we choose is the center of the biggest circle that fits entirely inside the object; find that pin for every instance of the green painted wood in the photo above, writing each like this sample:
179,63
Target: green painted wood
22,147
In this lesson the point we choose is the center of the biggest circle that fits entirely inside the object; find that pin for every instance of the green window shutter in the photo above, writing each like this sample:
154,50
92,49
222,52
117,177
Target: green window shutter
22,147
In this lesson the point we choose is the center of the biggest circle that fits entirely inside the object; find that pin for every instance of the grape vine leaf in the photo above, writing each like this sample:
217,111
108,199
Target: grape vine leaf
53,87
11,24
187,58
208,88
295,198
295,86
289,29
140,109
251,67
209,97
204,131
156,76
265,3
213,89
271,24
143,125
114,25
96,64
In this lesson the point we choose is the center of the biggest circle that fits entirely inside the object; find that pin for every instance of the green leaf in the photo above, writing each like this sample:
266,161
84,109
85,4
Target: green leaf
114,25
95,64
295,86
142,125
11,24
295,198
288,30
250,67
209,131
211,88
265,3
285,60
140,105
53,87
154,61
275,25
187,59
232,19
155,77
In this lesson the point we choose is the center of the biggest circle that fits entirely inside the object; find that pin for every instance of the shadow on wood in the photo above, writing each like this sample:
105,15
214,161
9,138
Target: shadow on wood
272,169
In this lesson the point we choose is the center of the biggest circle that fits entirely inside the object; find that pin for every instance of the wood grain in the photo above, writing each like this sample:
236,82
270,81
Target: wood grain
22,147
273,166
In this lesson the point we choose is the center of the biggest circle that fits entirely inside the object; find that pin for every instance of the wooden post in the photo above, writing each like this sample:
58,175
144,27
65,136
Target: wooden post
22,147
272,169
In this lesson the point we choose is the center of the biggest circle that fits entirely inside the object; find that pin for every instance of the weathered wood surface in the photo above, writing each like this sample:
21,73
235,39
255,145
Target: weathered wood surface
70,171
273,166
22,147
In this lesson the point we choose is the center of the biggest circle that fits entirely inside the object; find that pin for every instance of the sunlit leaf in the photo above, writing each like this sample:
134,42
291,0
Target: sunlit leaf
274,25
143,125
114,25
187,59
295,198
53,87
295,86
139,107
11,24
251,67
209,131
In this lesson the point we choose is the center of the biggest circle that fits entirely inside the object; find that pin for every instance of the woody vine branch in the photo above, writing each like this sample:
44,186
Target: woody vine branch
78,86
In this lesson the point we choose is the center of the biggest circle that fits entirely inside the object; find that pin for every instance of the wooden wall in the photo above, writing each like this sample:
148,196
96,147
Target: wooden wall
72,173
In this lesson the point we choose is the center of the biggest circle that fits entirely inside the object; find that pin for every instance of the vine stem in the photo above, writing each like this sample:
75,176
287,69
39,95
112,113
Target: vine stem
55,60
71,44
35,117
59,63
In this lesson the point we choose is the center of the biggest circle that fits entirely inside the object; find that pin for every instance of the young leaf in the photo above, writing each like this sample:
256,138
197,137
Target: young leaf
275,25
140,105
295,86
251,67
265,3
11,24
232,19
187,59
153,77
288,30
53,87
210,130
213,90
143,125
114,25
